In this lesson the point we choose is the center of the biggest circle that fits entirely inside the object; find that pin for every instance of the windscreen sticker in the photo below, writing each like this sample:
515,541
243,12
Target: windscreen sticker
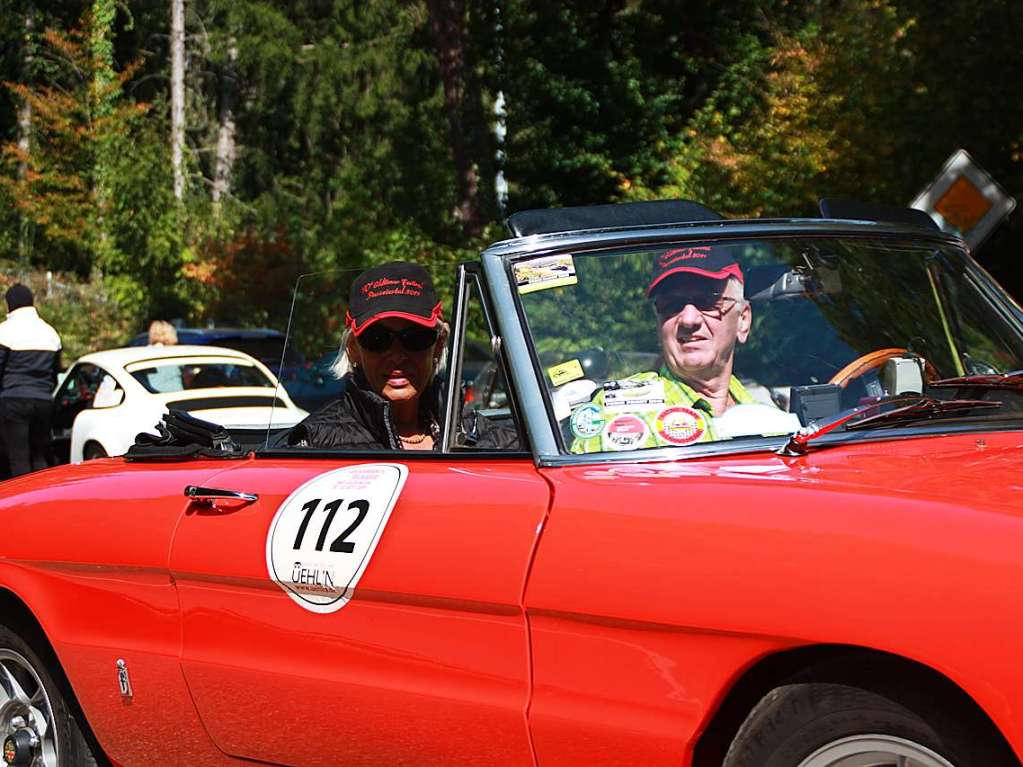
323,536
565,372
680,425
543,273
625,432
587,421
633,396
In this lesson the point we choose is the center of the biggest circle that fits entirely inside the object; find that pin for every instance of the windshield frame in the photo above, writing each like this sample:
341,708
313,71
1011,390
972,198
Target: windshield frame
527,372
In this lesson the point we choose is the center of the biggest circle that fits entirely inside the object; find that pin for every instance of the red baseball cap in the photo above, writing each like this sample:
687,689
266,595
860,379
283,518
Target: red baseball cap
713,261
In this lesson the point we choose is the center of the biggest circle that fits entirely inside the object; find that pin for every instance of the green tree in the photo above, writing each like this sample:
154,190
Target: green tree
78,120
786,124
97,175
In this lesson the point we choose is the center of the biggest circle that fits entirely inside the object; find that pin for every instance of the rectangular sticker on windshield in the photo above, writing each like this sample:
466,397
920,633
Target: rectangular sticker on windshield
544,273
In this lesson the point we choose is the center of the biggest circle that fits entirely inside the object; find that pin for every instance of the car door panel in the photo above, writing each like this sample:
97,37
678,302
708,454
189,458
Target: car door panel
628,674
427,664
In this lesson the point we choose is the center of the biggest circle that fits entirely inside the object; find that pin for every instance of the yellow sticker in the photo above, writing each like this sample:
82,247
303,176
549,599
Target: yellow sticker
543,273
565,372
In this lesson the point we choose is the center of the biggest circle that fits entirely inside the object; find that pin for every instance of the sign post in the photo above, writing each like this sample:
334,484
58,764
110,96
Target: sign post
965,199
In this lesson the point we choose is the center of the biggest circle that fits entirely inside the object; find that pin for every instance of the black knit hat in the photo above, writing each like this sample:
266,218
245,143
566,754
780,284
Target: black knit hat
395,289
18,296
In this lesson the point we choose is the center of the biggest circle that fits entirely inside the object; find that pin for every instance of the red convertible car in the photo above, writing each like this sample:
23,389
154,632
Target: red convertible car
821,567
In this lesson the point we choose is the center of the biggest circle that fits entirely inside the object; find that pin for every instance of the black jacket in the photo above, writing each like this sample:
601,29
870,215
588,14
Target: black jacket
29,356
361,420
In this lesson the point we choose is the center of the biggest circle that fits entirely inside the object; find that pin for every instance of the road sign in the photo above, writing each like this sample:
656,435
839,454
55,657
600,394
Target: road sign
965,199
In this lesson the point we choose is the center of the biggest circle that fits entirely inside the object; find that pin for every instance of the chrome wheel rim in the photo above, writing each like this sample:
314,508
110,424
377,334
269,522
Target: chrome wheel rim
874,751
24,705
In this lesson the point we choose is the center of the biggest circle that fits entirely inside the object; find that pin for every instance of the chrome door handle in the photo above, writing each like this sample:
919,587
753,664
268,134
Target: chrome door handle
211,494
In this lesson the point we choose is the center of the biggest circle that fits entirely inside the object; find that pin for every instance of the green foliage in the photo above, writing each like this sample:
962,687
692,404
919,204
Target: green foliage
786,124
81,310
754,107
589,113
148,227
79,121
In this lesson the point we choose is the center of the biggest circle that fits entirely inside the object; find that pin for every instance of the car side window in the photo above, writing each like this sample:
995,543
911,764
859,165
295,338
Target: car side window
78,393
109,393
486,419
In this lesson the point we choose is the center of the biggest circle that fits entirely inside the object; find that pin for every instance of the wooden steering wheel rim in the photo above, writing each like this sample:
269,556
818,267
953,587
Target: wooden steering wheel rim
872,361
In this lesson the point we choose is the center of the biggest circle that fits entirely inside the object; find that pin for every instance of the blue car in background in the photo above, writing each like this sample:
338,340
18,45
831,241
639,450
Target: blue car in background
315,383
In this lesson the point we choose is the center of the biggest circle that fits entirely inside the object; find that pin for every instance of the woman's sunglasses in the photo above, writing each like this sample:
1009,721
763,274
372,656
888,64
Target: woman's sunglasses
413,338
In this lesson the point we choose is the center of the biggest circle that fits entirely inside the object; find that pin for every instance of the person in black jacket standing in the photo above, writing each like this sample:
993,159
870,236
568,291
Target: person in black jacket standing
29,364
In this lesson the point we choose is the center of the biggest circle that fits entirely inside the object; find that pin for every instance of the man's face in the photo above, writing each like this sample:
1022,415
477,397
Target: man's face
700,319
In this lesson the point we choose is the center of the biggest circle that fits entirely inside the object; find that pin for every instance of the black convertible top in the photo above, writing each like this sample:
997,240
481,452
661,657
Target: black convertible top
652,213
662,212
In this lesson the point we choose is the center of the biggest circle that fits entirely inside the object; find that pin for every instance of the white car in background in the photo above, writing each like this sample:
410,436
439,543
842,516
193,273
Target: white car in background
108,397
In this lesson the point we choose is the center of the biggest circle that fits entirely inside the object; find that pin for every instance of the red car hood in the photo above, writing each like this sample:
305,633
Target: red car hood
977,470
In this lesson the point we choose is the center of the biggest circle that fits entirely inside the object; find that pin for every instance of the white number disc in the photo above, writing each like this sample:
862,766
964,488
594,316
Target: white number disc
322,537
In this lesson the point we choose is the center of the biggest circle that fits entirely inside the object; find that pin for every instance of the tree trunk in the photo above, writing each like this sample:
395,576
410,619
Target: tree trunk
447,21
27,74
226,134
178,95
25,121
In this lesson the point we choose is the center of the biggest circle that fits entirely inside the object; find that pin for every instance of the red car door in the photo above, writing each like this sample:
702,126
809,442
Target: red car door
363,611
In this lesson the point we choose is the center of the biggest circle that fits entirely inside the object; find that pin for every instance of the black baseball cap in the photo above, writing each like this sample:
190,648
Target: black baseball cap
713,261
395,289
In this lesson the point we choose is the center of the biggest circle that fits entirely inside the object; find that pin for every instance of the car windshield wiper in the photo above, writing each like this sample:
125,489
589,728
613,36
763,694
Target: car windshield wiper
1013,380
917,408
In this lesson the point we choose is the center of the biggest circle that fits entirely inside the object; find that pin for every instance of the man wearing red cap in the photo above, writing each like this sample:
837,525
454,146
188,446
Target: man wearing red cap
697,296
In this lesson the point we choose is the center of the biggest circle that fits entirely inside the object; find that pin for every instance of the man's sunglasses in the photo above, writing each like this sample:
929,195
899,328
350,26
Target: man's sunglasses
413,338
709,302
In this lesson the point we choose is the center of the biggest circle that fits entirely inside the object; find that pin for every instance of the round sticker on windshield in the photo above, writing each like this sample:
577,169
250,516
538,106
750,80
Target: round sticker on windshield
626,432
323,536
587,421
680,425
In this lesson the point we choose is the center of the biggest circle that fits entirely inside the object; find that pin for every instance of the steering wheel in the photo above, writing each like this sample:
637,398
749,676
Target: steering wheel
871,361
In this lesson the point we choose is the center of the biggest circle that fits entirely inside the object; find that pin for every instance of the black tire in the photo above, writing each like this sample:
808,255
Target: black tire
20,661
797,721
93,450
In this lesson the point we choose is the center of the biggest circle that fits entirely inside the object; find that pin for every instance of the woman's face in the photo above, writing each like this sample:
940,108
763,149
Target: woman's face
396,373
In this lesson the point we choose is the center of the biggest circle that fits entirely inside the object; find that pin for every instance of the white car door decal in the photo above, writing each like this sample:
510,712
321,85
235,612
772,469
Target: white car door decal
323,535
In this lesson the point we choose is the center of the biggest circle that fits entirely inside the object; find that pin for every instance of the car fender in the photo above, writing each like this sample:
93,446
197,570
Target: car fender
90,563
713,565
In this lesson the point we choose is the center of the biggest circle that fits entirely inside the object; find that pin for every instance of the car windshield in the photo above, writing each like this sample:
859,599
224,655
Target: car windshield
702,342
166,376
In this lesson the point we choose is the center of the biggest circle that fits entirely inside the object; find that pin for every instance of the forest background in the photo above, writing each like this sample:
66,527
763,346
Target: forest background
311,135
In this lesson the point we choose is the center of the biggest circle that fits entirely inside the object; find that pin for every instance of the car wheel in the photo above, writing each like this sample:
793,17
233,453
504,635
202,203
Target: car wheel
37,727
833,725
93,450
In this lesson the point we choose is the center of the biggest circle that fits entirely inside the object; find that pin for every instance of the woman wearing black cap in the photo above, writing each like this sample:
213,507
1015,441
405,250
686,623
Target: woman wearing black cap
393,343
